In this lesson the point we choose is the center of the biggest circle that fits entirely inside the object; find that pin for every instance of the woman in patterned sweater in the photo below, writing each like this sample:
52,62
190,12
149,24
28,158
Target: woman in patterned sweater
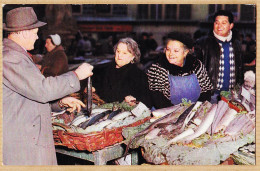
178,75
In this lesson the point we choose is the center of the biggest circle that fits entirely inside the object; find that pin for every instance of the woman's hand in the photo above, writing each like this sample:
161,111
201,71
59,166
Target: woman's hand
72,104
130,100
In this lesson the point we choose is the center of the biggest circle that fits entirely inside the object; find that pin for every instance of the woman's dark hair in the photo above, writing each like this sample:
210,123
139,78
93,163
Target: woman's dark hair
225,13
49,37
184,38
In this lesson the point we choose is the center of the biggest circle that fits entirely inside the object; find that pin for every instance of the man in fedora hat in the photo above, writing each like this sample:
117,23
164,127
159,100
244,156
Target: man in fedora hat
27,129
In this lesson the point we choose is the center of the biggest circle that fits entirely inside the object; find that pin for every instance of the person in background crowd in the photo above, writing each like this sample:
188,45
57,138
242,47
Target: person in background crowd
152,44
242,42
220,52
93,43
55,62
107,45
250,54
122,79
198,34
250,43
178,75
161,47
143,44
27,128
84,46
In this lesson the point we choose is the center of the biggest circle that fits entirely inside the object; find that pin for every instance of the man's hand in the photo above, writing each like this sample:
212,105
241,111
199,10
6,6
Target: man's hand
130,100
84,71
72,104
39,66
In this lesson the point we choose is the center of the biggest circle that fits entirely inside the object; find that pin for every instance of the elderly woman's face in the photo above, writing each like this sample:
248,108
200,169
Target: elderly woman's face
175,52
122,56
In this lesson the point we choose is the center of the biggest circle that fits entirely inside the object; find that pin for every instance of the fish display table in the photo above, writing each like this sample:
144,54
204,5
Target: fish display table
99,157
155,150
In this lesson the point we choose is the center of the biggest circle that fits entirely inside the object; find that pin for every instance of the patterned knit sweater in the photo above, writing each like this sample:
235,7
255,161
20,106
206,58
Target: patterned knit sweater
159,84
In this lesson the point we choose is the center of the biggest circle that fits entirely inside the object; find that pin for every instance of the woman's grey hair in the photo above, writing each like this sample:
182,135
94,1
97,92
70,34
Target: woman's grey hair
132,47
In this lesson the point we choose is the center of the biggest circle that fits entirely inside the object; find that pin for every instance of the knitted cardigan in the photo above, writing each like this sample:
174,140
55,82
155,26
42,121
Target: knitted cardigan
159,84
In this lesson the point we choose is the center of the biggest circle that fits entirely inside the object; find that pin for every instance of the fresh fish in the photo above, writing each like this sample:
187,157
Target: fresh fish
97,111
98,126
95,119
181,136
80,119
204,125
199,114
176,113
114,113
229,115
121,116
122,122
237,124
174,126
247,128
221,109
202,110
104,123
153,119
191,114
167,118
164,111
152,134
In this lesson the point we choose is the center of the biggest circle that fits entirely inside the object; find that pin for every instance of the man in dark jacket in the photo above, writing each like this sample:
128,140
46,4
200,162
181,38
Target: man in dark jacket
220,52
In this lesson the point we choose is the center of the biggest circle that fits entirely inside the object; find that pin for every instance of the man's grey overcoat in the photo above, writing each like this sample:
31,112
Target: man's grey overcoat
27,130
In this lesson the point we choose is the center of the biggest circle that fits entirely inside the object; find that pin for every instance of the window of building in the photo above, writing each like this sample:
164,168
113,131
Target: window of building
142,11
89,9
170,12
76,9
156,11
247,13
234,9
231,7
119,10
103,8
185,12
214,8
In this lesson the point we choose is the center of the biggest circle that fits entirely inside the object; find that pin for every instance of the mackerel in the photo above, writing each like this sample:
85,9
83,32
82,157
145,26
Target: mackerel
95,119
114,113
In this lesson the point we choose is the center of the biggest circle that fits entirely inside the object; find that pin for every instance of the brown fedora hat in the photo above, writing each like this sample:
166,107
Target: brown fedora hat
22,18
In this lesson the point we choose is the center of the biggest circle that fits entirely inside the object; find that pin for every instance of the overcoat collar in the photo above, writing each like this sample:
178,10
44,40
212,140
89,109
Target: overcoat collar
13,45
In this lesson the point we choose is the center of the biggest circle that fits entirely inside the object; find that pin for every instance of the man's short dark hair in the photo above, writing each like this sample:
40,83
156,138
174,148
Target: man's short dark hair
225,13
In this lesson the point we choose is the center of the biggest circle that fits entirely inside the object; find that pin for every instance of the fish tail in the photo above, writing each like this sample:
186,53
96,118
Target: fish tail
127,147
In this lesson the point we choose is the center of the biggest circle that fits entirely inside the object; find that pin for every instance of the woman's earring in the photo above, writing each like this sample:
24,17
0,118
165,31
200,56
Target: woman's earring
132,61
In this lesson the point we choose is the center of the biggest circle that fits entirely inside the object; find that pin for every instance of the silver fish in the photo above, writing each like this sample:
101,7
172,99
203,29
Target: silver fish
204,125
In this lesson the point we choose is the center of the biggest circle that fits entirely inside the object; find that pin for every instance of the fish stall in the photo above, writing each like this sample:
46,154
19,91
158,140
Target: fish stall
97,137
200,133
189,133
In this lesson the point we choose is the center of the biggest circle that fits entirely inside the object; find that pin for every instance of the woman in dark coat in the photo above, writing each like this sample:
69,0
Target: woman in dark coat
177,75
55,61
122,79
